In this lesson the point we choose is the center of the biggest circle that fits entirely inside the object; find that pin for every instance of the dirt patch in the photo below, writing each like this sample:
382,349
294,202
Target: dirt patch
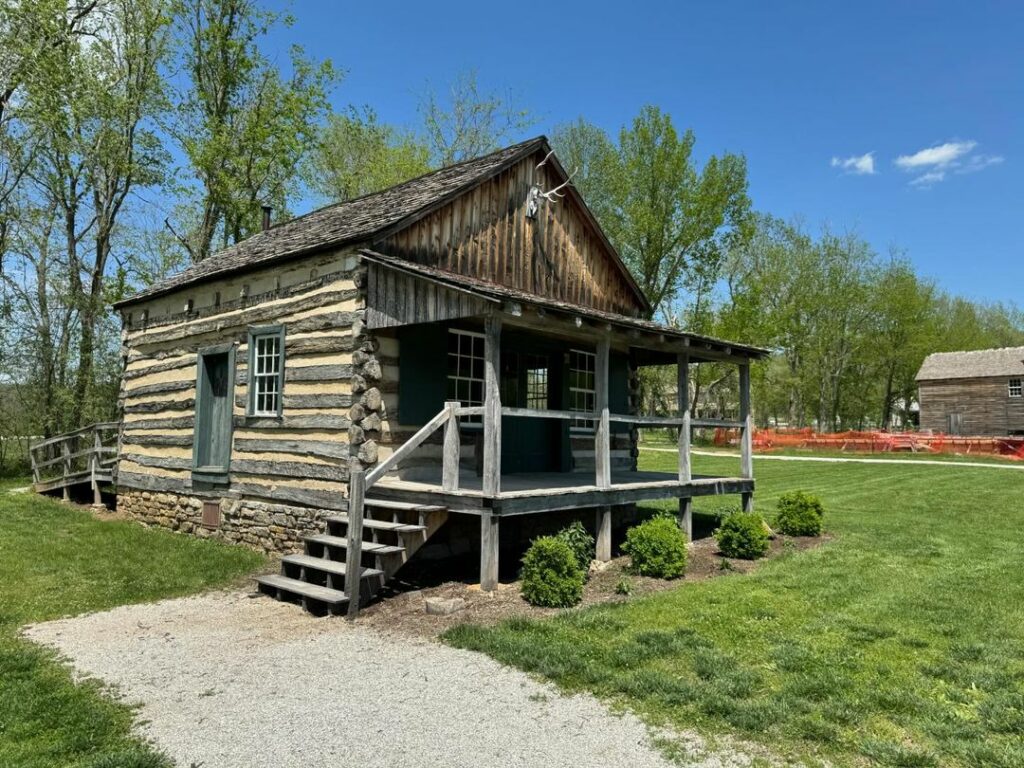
404,612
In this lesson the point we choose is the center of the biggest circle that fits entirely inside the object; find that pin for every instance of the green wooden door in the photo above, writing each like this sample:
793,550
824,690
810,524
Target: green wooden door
214,394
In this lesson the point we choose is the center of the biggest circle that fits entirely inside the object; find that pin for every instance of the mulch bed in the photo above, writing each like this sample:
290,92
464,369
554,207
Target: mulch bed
404,611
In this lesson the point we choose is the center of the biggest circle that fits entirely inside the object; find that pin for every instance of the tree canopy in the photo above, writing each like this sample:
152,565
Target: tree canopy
137,136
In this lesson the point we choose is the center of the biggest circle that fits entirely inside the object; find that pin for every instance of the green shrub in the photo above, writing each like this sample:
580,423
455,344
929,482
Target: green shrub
800,514
743,535
551,575
580,542
624,587
657,548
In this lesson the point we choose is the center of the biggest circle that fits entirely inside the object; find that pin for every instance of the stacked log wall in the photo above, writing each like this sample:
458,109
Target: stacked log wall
284,471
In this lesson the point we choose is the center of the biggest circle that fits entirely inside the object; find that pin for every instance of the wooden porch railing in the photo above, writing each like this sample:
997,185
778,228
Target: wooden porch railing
88,455
361,481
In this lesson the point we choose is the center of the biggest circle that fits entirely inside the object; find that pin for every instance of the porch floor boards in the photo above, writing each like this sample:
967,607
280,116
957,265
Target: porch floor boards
525,493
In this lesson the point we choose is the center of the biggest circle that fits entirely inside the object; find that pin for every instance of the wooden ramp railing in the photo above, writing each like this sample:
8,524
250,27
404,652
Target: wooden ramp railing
85,456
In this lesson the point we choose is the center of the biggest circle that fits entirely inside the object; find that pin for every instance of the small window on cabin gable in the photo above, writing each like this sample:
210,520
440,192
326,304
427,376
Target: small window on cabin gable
1014,388
582,365
466,370
266,371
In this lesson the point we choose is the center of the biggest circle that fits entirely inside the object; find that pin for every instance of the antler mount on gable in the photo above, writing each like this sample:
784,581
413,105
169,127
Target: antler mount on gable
537,193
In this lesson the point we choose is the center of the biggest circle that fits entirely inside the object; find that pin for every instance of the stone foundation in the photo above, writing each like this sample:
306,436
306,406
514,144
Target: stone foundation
262,526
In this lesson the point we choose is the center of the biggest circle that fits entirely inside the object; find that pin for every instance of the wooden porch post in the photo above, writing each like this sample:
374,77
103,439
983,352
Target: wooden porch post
685,470
452,448
746,435
489,541
354,550
489,522
604,534
602,435
492,406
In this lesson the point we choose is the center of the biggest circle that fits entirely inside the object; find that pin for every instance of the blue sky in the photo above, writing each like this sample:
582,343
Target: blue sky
933,91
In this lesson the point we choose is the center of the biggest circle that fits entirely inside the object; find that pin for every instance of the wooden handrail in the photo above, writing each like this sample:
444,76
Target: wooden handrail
81,431
406,448
537,413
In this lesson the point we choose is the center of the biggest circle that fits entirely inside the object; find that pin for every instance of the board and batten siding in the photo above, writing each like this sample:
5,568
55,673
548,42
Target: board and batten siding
984,404
486,233
300,458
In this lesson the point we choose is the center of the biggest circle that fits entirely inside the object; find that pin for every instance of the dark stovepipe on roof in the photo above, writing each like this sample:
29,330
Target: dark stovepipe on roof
266,217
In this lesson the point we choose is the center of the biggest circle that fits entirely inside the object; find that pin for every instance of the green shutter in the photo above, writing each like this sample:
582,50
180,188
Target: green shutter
422,372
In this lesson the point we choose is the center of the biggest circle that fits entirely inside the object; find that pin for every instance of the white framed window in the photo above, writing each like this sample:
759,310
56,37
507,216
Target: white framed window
466,370
537,385
266,371
1014,388
582,365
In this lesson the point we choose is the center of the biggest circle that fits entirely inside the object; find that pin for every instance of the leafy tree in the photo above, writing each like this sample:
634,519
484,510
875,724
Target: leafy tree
672,223
243,126
357,154
468,122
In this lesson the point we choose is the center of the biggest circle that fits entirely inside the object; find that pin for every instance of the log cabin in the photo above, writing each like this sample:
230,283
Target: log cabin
975,393
338,386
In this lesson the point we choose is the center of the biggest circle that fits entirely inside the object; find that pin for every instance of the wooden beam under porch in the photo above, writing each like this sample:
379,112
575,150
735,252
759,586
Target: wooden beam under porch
537,492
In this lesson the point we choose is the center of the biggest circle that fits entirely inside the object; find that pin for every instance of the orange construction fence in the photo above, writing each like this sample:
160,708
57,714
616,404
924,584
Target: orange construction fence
876,441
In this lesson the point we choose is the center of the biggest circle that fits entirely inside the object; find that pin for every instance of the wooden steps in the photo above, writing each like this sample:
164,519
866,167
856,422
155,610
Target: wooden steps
333,567
319,578
380,525
403,506
314,597
369,547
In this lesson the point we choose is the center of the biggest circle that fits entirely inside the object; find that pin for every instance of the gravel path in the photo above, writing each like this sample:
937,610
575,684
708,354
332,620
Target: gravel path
226,680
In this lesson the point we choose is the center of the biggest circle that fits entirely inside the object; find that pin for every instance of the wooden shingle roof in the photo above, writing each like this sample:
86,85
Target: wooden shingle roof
982,363
503,293
352,221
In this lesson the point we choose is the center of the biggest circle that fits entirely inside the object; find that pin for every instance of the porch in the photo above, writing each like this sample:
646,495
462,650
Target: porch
498,371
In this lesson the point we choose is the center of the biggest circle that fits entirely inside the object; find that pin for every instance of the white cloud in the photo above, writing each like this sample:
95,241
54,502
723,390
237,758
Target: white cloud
933,164
938,156
979,162
860,165
928,179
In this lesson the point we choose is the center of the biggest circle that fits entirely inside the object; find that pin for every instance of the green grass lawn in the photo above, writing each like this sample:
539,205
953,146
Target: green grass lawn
899,642
56,561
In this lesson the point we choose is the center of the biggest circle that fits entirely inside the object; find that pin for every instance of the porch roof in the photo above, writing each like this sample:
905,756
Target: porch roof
656,339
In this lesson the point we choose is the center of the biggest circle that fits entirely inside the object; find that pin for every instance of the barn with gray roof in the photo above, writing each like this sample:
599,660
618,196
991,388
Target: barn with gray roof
973,393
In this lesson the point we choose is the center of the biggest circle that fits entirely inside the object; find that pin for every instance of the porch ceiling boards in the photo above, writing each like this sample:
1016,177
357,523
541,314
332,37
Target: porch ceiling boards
533,492
401,292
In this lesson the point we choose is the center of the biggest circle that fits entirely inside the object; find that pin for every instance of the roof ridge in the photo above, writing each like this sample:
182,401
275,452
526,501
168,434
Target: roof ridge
976,351
342,222
454,166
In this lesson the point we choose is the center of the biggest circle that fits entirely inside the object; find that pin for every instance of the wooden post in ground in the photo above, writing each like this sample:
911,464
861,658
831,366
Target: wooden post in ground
354,550
452,448
489,542
492,407
604,534
746,435
602,435
685,469
66,453
94,466
35,463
